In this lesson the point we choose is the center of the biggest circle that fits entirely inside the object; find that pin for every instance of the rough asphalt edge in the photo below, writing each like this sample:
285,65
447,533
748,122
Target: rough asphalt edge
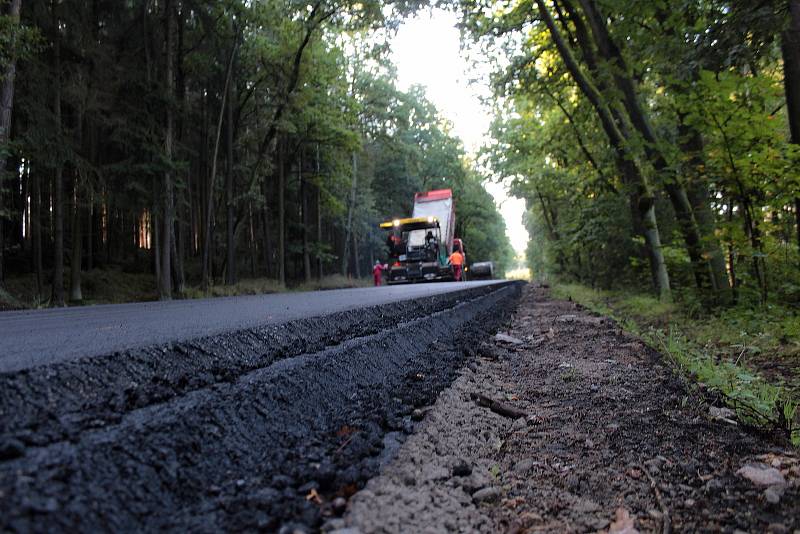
47,404
253,453
467,469
428,486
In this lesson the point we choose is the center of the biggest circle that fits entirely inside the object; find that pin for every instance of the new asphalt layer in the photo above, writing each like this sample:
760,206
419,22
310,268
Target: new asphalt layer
41,337
208,422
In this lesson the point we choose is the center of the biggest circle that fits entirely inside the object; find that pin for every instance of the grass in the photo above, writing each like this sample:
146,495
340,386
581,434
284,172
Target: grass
750,357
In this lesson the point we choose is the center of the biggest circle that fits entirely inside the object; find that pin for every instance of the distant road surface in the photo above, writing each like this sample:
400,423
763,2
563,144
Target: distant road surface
40,337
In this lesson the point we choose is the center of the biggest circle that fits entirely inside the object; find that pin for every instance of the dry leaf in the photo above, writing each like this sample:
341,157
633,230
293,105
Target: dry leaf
314,496
623,524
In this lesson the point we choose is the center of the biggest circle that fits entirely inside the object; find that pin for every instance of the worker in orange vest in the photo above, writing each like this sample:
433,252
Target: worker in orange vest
377,272
456,259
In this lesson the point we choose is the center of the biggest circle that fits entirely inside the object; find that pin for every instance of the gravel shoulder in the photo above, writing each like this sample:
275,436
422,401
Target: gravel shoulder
594,434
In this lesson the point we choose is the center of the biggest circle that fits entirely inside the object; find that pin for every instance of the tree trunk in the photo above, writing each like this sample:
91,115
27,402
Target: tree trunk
672,184
165,287
207,241
350,209
281,215
692,147
790,47
58,185
230,272
318,189
304,219
155,247
36,233
252,243
624,160
75,292
180,225
265,226
90,233
356,258
6,109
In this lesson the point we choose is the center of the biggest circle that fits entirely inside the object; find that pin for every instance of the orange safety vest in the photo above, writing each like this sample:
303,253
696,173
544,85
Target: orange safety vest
456,258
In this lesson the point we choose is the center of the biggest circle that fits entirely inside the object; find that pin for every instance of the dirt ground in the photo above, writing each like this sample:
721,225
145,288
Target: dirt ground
570,425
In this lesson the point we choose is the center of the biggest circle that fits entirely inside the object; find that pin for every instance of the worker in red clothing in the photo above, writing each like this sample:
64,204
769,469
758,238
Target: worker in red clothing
457,261
377,272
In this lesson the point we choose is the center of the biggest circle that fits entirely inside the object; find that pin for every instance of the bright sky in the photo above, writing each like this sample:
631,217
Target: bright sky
427,52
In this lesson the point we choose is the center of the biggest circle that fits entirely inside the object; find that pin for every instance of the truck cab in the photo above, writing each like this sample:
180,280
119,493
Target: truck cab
419,246
416,250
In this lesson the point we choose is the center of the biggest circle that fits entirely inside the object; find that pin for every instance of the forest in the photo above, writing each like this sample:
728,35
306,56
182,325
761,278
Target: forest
657,146
200,142
656,142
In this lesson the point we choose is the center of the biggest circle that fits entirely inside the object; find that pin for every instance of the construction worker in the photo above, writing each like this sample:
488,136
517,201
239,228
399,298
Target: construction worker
377,272
456,259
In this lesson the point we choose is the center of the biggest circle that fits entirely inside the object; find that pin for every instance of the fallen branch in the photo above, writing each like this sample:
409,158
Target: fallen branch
497,407
666,524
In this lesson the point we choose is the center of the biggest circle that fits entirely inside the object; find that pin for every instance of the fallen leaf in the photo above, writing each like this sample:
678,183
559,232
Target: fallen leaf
623,524
513,503
634,473
314,496
345,431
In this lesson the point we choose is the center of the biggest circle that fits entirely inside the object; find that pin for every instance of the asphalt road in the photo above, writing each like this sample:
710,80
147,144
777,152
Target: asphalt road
40,337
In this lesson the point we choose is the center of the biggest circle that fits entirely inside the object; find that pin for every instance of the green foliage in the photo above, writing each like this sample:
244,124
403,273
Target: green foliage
708,79
314,108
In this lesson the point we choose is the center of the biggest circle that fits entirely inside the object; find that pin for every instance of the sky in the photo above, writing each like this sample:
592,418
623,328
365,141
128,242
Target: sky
426,51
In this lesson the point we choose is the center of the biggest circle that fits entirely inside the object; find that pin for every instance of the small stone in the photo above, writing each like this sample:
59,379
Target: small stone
11,449
462,469
490,494
523,466
505,338
689,503
48,505
774,493
333,525
435,473
409,479
339,505
519,424
777,528
726,414
714,485
417,414
566,318
761,474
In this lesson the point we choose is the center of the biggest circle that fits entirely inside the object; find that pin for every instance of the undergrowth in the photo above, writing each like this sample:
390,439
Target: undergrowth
710,349
114,285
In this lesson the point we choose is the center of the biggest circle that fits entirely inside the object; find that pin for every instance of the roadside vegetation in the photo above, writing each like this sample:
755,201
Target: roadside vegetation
201,143
749,358
114,286
657,146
